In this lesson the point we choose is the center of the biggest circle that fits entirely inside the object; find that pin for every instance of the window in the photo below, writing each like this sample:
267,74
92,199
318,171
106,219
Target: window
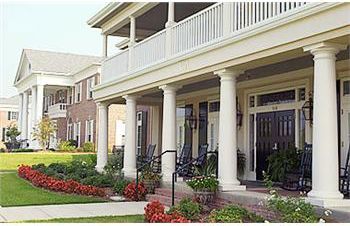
89,130
61,96
77,133
276,98
70,132
12,115
89,85
139,133
78,88
214,106
346,88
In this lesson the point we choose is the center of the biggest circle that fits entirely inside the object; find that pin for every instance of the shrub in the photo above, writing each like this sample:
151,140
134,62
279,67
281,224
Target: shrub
114,166
130,191
187,208
203,183
88,147
120,185
101,180
152,208
283,161
22,150
233,214
66,146
70,186
73,142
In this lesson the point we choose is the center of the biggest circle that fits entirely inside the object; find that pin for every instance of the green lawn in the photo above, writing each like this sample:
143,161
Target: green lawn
107,219
15,191
10,161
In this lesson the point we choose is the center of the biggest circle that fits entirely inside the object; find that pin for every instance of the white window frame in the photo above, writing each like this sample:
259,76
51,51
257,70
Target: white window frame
70,131
90,83
78,89
89,130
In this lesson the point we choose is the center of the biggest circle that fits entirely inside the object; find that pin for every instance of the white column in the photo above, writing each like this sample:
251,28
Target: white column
20,109
102,145
104,45
132,41
228,132
170,23
130,137
25,116
39,102
32,143
325,134
169,130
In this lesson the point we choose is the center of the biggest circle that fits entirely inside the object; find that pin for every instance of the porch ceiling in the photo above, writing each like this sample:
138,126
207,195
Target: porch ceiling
154,19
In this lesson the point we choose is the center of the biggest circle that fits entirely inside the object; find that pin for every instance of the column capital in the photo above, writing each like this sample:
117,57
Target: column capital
228,73
130,97
102,104
324,48
171,88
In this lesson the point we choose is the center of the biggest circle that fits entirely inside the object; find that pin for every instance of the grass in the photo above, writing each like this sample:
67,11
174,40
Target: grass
15,191
107,219
10,161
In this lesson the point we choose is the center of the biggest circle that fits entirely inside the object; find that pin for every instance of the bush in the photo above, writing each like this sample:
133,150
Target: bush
130,191
233,214
120,185
187,208
22,150
70,186
114,166
66,146
88,147
203,183
101,180
283,161
152,208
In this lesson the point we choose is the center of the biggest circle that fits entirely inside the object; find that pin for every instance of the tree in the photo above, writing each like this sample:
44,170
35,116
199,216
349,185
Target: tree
43,131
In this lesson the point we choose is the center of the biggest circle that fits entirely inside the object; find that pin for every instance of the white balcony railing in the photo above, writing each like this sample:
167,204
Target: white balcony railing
221,20
58,110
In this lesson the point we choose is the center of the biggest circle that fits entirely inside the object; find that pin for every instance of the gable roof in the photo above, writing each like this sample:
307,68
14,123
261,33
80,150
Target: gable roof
9,100
55,62
58,62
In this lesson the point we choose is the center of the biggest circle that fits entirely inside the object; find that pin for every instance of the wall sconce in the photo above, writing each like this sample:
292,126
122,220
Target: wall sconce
307,110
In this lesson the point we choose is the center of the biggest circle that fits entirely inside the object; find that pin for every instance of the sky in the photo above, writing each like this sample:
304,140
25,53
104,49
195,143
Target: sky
55,26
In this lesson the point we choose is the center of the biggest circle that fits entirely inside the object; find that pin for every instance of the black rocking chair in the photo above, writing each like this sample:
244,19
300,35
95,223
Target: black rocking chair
184,158
345,176
300,180
148,155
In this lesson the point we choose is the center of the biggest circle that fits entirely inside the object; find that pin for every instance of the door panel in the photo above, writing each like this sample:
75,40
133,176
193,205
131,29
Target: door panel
275,130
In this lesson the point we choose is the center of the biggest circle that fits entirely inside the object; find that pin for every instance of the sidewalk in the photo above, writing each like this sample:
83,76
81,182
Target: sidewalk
8,214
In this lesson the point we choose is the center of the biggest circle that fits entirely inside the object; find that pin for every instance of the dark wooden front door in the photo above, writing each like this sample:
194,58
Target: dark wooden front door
203,123
275,131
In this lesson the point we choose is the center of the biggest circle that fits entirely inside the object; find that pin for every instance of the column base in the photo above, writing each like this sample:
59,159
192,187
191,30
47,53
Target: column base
324,195
129,173
167,177
231,187
328,203
99,169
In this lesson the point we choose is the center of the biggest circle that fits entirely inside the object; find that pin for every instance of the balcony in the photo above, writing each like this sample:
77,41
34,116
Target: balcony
58,110
205,28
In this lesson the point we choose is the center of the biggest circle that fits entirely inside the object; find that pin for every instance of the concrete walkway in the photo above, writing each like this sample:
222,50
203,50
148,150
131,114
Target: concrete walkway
8,214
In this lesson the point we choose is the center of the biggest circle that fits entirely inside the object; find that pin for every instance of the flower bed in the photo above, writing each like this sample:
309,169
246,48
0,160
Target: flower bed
154,213
39,179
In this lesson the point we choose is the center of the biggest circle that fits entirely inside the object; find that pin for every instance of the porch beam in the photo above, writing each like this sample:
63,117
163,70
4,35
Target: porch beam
325,180
227,171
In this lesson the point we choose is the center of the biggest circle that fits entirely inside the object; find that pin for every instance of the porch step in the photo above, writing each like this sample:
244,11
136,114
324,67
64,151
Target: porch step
163,195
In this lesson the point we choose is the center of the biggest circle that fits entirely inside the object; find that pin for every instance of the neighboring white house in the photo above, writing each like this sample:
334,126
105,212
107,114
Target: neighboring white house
8,115
242,72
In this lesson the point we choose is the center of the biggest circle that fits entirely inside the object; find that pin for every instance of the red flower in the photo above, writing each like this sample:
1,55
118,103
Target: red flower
130,191
70,186
152,208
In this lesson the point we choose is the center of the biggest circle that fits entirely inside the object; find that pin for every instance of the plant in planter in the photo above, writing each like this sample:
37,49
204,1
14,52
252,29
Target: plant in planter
204,188
150,179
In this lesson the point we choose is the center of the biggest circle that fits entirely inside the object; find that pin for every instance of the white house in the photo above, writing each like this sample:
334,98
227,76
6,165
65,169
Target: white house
261,61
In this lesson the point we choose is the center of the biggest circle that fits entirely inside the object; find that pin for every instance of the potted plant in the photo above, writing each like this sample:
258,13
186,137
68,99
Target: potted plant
204,188
150,179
